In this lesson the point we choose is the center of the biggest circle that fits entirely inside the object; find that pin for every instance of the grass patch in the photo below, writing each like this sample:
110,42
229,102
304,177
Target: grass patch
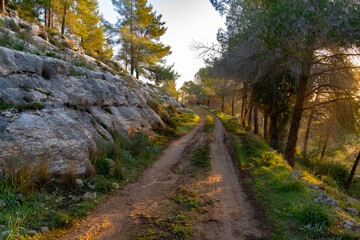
209,125
287,204
177,220
200,159
21,107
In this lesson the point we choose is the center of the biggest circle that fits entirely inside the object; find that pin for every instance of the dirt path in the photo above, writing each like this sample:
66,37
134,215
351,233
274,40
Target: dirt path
232,216
110,217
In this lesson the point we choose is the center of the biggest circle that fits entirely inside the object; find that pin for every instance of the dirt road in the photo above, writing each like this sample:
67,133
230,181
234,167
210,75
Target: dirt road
110,217
230,217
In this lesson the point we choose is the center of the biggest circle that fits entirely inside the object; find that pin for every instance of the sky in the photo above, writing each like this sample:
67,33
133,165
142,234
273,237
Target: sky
187,21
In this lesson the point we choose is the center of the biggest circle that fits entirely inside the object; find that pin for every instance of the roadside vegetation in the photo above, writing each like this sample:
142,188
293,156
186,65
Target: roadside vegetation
287,202
36,202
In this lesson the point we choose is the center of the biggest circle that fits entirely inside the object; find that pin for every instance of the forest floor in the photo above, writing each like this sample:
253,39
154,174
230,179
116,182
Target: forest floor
173,199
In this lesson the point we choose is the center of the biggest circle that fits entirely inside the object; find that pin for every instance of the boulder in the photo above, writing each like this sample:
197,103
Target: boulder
16,62
43,43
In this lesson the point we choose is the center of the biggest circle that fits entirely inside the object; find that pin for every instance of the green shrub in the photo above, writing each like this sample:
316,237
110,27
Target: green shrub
103,166
62,220
314,214
102,185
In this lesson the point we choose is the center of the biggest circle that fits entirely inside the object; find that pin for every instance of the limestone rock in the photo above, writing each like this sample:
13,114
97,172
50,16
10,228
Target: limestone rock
79,182
295,175
32,232
313,186
352,225
352,200
44,229
44,43
115,186
54,67
326,200
352,211
88,197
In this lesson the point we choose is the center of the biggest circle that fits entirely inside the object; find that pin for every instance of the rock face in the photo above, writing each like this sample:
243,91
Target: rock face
80,107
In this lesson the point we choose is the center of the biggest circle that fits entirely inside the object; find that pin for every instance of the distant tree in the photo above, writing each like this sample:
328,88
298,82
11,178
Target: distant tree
162,74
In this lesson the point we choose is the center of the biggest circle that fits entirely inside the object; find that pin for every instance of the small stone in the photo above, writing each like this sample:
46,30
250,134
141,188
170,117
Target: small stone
295,175
32,232
2,204
115,186
5,234
19,195
79,182
44,229
91,186
313,186
352,200
352,211
326,200
352,225
88,197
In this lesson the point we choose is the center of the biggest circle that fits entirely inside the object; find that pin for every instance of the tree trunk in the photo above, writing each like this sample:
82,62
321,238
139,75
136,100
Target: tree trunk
233,104
45,16
208,102
222,103
266,120
274,133
256,121
49,18
63,21
307,133
325,146
2,8
132,60
250,116
298,109
352,173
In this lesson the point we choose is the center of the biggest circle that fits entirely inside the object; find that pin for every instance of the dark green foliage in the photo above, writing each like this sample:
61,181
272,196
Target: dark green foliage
30,106
102,166
314,214
339,172
62,220
102,185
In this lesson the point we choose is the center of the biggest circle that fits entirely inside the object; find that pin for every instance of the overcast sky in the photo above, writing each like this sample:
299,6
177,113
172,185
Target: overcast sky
187,21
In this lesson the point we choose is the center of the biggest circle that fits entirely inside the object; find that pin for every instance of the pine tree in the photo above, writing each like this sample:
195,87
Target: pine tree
88,25
140,30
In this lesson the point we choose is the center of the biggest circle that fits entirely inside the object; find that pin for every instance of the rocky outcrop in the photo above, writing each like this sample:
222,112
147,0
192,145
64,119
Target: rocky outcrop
75,108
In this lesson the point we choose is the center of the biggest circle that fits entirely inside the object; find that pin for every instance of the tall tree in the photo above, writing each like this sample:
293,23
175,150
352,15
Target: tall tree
140,29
